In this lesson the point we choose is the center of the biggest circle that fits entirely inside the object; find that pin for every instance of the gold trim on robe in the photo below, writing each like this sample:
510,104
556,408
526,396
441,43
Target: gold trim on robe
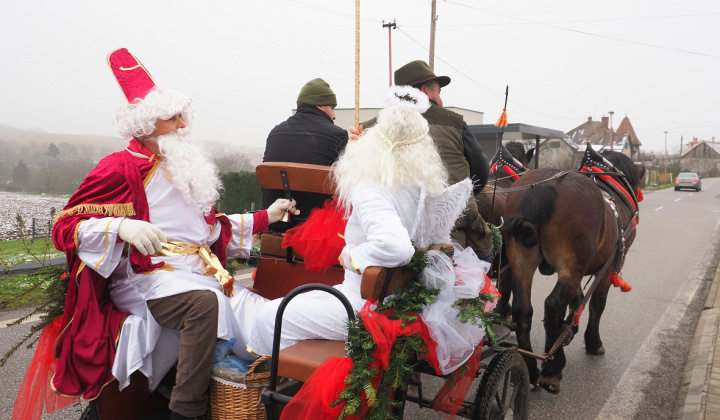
111,210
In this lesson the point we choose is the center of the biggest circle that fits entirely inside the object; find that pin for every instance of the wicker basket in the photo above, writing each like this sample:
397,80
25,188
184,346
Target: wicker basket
236,396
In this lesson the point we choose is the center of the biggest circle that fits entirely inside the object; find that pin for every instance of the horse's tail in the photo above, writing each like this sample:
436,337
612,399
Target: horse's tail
536,208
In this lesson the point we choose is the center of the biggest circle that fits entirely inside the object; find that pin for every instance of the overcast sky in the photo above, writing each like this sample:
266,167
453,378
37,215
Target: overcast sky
243,62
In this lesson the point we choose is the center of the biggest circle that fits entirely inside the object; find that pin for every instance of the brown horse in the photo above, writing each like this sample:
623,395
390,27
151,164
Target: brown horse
509,163
571,223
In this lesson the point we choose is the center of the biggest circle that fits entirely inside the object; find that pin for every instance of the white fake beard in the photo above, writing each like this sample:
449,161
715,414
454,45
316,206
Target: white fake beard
191,170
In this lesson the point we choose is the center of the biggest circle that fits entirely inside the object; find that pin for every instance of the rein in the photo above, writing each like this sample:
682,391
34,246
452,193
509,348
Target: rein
527,187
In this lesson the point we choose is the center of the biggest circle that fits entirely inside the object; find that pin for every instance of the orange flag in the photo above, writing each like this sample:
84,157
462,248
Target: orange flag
502,121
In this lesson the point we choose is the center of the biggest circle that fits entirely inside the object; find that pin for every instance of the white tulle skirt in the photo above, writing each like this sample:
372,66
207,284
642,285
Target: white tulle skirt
461,277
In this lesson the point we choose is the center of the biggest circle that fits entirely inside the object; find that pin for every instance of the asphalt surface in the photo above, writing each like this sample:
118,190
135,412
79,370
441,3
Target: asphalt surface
660,338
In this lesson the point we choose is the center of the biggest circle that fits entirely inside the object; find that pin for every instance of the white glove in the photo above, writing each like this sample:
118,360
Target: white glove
142,235
279,207
345,259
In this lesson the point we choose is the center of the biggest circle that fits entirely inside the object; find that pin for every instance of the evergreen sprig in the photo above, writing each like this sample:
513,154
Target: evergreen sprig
472,310
51,308
496,238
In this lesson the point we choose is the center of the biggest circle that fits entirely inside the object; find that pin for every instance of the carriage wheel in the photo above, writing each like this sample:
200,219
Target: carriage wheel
504,389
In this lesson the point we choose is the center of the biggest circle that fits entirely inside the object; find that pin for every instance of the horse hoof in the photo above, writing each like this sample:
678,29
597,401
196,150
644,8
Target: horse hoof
599,351
551,385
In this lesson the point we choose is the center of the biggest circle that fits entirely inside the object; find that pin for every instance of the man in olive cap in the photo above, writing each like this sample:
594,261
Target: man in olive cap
309,136
459,149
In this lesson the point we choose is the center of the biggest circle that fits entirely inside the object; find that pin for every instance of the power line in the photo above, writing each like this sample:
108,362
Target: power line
315,7
584,32
489,90
614,19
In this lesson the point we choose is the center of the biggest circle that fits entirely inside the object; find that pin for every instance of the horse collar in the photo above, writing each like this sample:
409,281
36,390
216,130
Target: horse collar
512,167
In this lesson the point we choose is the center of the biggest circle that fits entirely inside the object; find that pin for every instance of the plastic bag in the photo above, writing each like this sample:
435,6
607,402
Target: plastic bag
223,360
232,364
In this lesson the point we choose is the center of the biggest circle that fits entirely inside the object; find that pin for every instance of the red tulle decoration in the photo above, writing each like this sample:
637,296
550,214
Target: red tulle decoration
639,195
35,392
617,281
502,121
320,239
322,388
457,385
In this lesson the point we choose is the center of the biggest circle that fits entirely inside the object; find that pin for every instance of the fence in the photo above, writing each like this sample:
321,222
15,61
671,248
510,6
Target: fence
659,178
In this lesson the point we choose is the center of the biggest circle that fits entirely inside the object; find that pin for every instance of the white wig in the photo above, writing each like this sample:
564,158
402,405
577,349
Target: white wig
395,153
138,119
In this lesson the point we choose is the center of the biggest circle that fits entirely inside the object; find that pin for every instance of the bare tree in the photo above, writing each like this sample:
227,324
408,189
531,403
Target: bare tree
234,162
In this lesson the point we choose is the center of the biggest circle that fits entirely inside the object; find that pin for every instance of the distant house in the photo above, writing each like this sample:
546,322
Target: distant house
599,134
702,157
631,143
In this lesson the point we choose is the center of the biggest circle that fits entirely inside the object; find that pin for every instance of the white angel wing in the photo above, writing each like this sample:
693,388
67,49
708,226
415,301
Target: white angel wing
437,213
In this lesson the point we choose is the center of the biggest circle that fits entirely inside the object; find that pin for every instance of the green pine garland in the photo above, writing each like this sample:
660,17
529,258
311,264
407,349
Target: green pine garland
496,239
360,348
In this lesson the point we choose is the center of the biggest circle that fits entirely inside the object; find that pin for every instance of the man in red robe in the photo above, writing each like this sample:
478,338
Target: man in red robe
146,251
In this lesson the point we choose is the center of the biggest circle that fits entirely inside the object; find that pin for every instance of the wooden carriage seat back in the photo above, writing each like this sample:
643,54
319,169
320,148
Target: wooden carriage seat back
301,177
299,361
281,269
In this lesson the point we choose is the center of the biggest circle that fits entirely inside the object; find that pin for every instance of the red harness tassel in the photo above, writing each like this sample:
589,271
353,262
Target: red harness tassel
617,281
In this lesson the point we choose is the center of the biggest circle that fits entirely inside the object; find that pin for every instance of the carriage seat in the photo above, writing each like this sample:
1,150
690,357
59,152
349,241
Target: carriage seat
300,360
280,269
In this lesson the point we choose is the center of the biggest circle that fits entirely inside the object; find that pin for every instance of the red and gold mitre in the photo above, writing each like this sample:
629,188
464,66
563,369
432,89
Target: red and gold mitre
133,78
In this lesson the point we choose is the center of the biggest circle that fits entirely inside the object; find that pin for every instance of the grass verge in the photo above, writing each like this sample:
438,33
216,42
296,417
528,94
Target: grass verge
28,289
24,251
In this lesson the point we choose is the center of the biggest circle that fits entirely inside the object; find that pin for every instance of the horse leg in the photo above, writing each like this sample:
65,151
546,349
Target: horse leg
504,285
574,305
523,263
593,343
565,291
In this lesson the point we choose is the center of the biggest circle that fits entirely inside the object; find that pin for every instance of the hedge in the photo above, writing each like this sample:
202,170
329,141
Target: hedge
241,194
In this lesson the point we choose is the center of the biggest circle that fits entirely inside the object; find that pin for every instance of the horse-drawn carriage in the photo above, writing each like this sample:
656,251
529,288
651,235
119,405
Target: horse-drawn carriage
502,389
504,380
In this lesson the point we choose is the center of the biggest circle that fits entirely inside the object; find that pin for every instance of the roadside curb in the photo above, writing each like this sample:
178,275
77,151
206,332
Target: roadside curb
30,267
702,371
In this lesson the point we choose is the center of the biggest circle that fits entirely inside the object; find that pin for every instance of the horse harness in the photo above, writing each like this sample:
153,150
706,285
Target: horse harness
604,175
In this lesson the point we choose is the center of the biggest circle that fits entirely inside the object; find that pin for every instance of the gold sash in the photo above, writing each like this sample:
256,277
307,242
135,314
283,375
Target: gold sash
213,266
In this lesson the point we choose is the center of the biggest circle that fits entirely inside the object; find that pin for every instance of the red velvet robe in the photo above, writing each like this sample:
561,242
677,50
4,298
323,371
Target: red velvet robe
85,347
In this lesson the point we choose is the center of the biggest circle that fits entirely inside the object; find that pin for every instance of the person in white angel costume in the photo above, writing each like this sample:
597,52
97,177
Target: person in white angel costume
393,187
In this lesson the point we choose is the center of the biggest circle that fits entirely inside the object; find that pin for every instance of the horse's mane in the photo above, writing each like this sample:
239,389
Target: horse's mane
625,165
517,150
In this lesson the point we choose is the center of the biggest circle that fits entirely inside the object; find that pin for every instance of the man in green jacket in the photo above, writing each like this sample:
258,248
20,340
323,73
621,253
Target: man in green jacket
461,153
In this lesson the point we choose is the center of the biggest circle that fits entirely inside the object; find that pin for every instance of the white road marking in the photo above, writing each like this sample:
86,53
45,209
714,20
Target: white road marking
658,208
638,373
677,199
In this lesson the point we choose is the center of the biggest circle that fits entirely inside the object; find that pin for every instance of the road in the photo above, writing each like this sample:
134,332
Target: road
646,333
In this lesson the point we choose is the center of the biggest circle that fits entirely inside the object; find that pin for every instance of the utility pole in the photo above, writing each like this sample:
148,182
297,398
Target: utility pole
612,144
666,152
433,19
390,26
681,140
